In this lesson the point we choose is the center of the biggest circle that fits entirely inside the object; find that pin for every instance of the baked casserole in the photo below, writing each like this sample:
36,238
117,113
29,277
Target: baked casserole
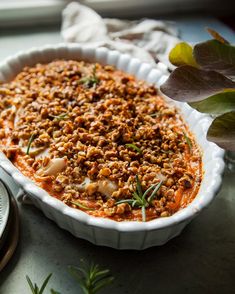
99,140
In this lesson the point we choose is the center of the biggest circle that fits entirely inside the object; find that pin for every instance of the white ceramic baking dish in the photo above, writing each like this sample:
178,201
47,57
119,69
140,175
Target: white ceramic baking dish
100,231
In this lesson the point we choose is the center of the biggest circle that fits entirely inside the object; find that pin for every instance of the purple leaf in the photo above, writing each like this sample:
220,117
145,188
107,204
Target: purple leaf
214,55
189,84
222,131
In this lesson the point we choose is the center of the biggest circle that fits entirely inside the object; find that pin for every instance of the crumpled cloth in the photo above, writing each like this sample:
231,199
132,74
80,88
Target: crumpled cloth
147,39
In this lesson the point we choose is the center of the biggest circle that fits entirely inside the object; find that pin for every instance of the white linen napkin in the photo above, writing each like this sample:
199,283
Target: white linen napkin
147,39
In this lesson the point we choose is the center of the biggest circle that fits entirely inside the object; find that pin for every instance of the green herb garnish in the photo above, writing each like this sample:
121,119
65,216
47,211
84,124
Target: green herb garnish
91,80
80,205
134,147
154,114
91,278
188,141
35,289
60,116
166,151
31,139
140,199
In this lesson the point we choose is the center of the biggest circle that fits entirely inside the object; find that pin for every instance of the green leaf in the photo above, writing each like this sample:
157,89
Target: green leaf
138,186
214,55
189,84
102,272
216,104
148,190
135,202
34,288
30,285
137,198
80,205
129,201
31,139
154,187
151,197
182,54
103,283
77,273
134,147
60,116
91,278
143,211
45,284
222,131
188,141
154,114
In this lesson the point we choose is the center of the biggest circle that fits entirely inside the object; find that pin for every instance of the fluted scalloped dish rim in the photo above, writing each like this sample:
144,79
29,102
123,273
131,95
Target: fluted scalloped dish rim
98,54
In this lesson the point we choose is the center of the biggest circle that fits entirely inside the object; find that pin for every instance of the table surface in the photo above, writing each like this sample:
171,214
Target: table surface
201,260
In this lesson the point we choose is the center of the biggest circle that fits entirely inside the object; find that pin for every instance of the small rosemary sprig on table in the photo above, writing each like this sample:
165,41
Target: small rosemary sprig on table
91,80
91,278
35,289
140,198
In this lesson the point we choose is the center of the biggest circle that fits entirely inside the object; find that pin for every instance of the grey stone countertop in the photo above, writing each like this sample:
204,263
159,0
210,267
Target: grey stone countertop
200,260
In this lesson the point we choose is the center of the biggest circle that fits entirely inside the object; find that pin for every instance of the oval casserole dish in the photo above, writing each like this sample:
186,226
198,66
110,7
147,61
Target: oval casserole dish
101,231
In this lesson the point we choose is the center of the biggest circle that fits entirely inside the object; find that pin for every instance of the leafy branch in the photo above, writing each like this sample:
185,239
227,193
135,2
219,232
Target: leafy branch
91,278
35,289
140,198
204,78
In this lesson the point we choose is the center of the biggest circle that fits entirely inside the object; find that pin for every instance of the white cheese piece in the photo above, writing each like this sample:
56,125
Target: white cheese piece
105,187
82,187
160,176
55,166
